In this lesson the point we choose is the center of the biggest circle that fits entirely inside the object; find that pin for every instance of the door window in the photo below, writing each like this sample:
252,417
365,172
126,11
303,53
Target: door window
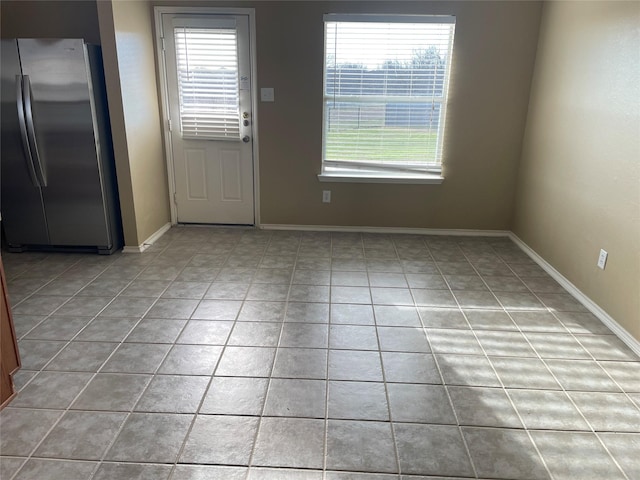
207,64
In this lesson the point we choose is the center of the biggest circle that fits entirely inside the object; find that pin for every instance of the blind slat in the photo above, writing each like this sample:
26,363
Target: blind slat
207,62
385,87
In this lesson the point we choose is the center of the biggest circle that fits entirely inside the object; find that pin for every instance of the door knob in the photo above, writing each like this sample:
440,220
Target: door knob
246,139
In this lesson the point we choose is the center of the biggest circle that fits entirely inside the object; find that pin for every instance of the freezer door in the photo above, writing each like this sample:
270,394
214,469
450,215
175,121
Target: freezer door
23,215
63,127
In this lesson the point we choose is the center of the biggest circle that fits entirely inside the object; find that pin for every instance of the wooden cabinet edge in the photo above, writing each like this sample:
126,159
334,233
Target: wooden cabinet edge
9,354
7,384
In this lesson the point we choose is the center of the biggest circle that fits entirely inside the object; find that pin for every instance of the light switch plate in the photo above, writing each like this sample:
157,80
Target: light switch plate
267,95
602,259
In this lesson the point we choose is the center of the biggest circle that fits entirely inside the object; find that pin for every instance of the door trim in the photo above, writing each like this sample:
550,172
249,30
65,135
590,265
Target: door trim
164,97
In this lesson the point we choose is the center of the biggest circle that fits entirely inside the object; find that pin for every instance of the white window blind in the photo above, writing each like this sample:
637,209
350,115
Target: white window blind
207,61
385,90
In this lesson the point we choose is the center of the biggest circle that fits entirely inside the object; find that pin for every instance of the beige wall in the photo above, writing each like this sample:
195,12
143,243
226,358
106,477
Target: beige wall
579,181
50,19
493,61
116,115
128,50
494,53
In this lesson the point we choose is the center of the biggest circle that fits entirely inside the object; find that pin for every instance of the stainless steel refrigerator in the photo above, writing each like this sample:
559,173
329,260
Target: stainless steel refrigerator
58,183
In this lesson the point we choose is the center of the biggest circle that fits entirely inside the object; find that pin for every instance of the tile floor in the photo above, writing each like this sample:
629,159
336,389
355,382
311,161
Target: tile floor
243,354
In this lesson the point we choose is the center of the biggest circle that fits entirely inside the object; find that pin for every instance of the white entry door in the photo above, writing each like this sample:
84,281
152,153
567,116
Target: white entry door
208,78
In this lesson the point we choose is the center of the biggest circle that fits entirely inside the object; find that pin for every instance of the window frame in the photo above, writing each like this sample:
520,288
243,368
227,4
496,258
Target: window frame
377,172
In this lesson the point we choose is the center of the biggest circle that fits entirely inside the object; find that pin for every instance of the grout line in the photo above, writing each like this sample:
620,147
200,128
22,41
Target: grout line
196,414
504,389
99,370
128,414
384,375
541,359
325,444
42,369
273,362
563,389
437,363
459,244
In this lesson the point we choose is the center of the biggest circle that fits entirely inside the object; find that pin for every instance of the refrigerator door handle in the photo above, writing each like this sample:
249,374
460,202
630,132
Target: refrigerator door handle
31,132
23,131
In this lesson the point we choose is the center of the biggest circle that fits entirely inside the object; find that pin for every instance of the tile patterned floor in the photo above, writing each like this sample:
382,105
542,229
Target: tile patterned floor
242,354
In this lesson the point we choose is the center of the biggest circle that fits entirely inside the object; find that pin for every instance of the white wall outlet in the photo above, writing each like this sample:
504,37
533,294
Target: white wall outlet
267,95
602,259
326,196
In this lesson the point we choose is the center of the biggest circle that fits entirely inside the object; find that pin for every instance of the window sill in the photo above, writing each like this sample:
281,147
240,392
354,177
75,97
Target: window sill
353,176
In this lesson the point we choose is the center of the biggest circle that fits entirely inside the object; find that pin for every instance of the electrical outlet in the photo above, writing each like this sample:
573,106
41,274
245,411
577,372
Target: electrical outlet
602,259
326,196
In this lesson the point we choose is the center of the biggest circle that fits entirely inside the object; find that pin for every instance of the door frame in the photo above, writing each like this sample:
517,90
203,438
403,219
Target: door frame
164,97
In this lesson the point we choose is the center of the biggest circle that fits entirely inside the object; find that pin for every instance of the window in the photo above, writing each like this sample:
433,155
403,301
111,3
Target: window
207,62
385,92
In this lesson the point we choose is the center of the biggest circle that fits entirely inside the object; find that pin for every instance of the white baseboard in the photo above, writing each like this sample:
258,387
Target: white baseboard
387,230
128,249
593,307
149,241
